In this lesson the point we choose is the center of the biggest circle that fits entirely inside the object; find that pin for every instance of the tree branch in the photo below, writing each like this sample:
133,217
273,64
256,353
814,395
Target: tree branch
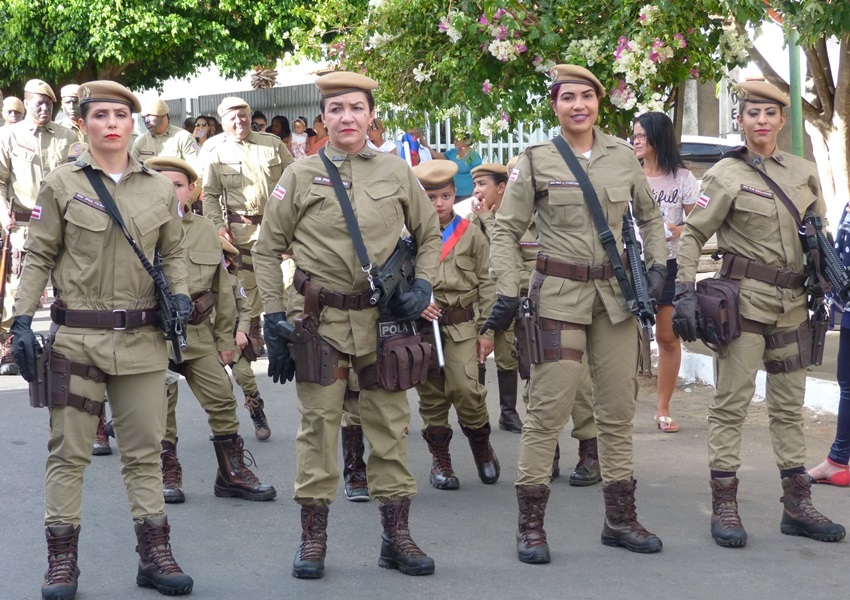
823,85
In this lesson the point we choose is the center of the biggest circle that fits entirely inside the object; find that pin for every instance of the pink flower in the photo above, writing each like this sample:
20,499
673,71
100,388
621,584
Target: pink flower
501,33
622,45
499,14
520,48
443,26
694,73
487,87
681,39
484,46
642,17
483,20
537,60
505,117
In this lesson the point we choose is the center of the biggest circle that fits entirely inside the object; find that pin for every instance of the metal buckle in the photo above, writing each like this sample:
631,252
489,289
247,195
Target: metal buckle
123,326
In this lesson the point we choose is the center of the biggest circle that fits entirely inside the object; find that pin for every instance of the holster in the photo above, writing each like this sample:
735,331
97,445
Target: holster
59,371
18,257
316,361
202,307
819,326
404,357
249,352
526,337
39,388
720,322
802,337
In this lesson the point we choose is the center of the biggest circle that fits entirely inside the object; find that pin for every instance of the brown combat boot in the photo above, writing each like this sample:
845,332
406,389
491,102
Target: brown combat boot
800,517
8,366
621,526
255,406
398,550
587,471
60,579
442,475
508,418
531,545
309,560
100,446
172,474
726,527
157,567
483,454
234,479
354,468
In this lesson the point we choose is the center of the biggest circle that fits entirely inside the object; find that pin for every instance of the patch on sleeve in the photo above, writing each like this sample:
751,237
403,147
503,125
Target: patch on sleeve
279,192
514,175
36,212
703,201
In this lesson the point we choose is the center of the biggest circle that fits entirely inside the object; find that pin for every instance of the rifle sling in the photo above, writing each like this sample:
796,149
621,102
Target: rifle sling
602,229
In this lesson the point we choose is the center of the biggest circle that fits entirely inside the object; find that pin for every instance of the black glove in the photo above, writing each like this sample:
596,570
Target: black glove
184,306
281,365
686,312
502,315
407,306
25,348
656,277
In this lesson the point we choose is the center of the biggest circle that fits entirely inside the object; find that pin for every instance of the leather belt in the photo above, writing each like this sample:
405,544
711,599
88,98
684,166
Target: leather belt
22,217
339,300
553,325
244,219
576,271
456,316
104,319
775,340
738,267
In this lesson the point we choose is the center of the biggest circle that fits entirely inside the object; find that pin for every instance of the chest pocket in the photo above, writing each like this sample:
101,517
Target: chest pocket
231,175
202,268
755,215
273,167
147,223
322,205
385,196
85,230
23,155
618,197
466,273
567,206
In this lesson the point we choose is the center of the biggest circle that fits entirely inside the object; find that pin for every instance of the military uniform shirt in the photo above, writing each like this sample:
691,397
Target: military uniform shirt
528,245
174,141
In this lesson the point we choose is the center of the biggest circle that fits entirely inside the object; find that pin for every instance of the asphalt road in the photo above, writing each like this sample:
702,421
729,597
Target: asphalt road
238,549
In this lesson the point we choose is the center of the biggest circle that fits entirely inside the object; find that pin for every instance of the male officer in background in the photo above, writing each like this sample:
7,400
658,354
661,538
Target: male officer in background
162,138
13,110
71,108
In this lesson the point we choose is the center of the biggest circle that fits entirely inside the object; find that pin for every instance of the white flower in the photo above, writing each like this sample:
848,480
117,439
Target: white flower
376,3
485,126
545,66
504,50
379,39
421,75
647,13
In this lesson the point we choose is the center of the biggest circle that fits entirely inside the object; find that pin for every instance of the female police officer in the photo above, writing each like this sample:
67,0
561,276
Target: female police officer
757,235
303,217
577,296
106,335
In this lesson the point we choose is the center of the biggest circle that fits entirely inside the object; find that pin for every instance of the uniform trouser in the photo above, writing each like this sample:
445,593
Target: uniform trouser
735,375
457,386
350,407
243,373
209,382
248,281
584,425
503,352
137,403
385,417
613,351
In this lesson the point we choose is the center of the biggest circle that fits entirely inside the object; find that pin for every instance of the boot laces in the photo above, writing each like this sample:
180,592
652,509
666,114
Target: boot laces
401,539
726,507
314,536
61,560
531,524
158,550
238,455
442,457
481,450
171,470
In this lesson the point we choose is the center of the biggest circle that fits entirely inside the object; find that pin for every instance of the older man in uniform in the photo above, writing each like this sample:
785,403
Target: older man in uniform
29,150
162,138
240,170
13,110
71,108
304,214
211,345
106,334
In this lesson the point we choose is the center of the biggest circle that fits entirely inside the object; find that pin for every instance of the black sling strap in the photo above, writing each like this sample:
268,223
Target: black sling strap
370,269
774,187
604,232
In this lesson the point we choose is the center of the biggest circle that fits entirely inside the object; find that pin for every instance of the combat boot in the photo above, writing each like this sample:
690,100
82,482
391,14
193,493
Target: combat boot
354,468
8,366
621,526
531,545
255,406
309,560
508,418
234,479
157,567
172,474
800,517
556,463
398,550
100,446
726,527
482,453
442,475
60,579
587,471
256,335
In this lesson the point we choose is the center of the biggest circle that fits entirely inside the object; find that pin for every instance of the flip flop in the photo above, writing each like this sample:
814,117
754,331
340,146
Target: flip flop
667,424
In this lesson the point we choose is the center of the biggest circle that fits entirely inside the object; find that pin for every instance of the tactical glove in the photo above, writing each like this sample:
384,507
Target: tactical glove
656,277
686,312
25,348
407,306
502,315
184,306
281,365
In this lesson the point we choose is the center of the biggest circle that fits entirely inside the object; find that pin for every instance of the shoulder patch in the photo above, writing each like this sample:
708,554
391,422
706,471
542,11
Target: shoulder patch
36,212
279,192
514,174
703,201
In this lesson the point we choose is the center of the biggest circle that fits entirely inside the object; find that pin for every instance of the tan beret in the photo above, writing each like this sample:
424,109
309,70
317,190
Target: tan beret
37,86
512,163
172,163
154,107
69,90
343,82
108,91
490,169
575,74
434,174
227,246
232,103
761,92
11,103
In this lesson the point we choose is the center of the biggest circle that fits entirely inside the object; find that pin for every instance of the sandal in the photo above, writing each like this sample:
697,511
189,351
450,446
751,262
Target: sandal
839,479
666,424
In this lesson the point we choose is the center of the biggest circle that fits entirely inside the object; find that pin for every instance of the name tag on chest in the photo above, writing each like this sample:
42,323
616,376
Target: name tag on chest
96,204
318,180
564,184
756,191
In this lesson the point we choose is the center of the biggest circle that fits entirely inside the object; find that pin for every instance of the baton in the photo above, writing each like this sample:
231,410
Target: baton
438,338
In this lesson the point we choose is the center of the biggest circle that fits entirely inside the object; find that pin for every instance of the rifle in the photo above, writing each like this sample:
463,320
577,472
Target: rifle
395,275
6,253
814,240
171,322
643,305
